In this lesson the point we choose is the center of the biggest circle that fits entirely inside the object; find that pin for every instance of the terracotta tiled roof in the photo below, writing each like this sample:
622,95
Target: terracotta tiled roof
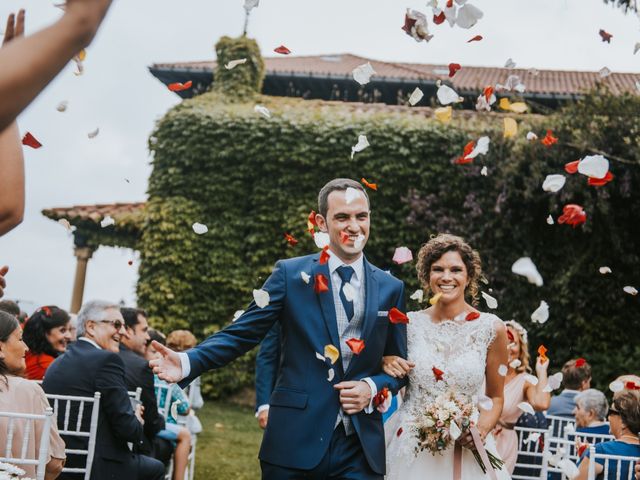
95,213
542,82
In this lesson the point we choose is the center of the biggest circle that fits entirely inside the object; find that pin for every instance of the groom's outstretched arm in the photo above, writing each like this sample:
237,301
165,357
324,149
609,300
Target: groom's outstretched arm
244,334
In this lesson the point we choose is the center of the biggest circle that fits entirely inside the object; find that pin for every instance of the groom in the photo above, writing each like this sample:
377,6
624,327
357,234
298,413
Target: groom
322,420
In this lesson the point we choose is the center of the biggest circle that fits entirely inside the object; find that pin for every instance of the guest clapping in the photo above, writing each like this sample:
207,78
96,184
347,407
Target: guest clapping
47,333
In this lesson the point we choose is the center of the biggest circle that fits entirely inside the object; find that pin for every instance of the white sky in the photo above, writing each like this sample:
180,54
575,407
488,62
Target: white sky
119,95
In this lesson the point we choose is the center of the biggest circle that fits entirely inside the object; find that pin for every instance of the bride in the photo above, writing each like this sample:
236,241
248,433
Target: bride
453,350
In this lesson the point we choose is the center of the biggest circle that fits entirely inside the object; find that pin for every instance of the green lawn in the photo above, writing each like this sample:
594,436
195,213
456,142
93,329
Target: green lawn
228,445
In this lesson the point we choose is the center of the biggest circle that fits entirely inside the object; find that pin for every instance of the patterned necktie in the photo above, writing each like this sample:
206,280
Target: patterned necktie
346,273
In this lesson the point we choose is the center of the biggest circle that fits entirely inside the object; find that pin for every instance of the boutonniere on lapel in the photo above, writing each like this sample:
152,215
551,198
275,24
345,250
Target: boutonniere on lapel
356,345
330,357
396,316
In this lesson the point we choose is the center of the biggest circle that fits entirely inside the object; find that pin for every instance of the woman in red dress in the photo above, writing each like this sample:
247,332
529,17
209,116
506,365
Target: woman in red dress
46,333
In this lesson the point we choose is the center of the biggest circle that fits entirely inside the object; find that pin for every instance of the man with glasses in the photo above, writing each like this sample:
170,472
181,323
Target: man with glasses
92,364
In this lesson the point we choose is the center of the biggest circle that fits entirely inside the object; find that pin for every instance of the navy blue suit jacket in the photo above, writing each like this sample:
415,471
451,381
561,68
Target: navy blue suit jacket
304,405
267,366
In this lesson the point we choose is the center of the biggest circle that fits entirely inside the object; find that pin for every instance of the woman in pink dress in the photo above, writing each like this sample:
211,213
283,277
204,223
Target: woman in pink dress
519,387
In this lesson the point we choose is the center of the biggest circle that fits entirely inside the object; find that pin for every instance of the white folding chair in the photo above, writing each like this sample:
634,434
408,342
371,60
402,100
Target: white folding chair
24,423
194,394
531,453
613,466
557,424
76,406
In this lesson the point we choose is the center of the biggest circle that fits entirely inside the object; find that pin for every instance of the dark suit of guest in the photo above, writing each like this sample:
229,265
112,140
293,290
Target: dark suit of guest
84,369
137,373
267,366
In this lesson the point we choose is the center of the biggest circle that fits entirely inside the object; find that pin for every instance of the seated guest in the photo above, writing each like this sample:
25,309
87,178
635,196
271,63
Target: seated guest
47,334
19,395
576,377
10,307
137,373
624,420
92,364
172,432
591,412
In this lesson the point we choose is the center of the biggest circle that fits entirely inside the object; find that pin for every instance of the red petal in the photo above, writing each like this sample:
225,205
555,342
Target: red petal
372,186
312,218
399,432
453,68
130,262
178,87
449,3
549,139
571,167
47,311
510,336
356,345
437,373
573,215
580,362
582,449
488,91
474,315
344,237
438,19
324,256
408,24
631,386
599,182
468,148
380,397
30,141
606,36
320,284
396,316
463,160
282,50
477,38
292,241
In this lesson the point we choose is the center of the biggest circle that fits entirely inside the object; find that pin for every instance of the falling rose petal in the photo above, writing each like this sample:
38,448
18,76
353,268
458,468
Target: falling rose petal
568,468
502,370
416,96
524,266
438,374
396,316
532,136
604,72
324,255
510,127
484,172
262,110
349,292
359,241
418,295
344,237
491,302
261,297
481,147
447,95
550,220
636,48
471,316
594,166
331,374
526,407
402,255
399,432
356,345
30,141
541,314
477,38
360,146
320,284
600,182
93,134
107,221
363,73
616,386
604,270
282,50
533,437
321,239
453,68
630,290
532,379
549,139
515,363
454,431
237,314
606,36
510,64
62,106
305,277
234,63
372,186
130,262
415,25
553,183
250,4
332,353
291,240
65,223
443,114
573,215
320,357
199,228
468,16
553,382
179,87
572,167
466,152
351,194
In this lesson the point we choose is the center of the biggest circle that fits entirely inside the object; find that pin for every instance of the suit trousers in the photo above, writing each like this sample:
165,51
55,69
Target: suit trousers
344,460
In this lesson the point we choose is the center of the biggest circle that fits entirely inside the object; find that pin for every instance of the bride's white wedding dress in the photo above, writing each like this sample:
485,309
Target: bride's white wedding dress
459,348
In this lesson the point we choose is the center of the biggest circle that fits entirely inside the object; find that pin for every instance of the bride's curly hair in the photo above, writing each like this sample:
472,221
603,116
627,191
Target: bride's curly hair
442,243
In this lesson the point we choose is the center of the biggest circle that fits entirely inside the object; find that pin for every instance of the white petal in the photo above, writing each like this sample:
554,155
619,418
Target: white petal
359,242
553,183
321,239
320,357
454,430
93,134
236,315
416,96
402,255
363,73
568,468
262,110
62,106
199,228
638,85
532,136
261,297
468,16
331,374
630,290
484,171
305,277
604,72
636,48
532,379
481,148
491,302
515,363
250,4
616,386
349,292
554,382
604,270
524,266
65,223
550,220
418,295
541,314
106,221
361,145
447,95
526,407
234,63
351,194
532,437
502,370
510,63
594,166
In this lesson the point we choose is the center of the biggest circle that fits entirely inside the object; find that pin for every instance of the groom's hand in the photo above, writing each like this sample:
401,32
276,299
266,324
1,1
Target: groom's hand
354,396
168,367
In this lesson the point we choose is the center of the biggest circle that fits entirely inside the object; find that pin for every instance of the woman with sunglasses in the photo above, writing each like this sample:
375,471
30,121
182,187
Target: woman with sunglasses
47,334
624,421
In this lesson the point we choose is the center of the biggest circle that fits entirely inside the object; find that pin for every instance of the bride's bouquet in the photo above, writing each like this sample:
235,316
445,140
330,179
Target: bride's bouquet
443,422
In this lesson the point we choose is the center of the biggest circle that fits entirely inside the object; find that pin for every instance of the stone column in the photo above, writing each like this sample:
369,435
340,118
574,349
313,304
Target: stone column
83,254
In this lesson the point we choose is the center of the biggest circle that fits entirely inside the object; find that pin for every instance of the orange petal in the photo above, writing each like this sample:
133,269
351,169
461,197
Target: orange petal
372,186
179,87
396,316
356,345
320,283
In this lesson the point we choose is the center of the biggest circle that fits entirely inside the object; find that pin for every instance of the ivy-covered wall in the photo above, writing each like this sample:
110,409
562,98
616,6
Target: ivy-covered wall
250,179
